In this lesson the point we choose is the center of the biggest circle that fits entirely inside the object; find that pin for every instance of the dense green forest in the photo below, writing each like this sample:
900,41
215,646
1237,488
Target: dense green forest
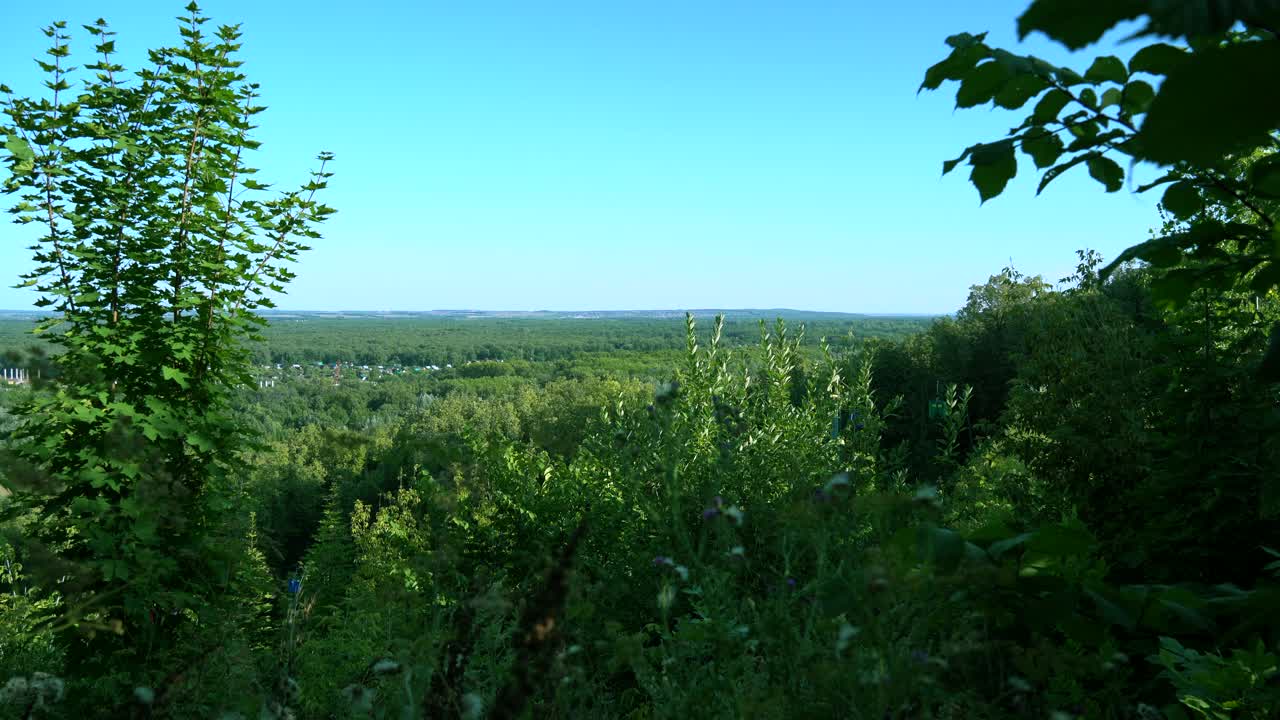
1062,501
418,339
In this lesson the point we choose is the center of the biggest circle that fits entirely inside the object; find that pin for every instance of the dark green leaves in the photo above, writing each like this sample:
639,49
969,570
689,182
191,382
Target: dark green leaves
1043,146
1137,97
1050,105
1106,171
981,85
993,166
1213,112
1107,68
1018,90
1213,106
1073,23
1158,59
1056,171
1182,200
1264,176
956,65
1195,19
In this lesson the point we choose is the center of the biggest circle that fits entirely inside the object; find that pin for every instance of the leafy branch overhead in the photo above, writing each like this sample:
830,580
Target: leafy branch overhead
1199,101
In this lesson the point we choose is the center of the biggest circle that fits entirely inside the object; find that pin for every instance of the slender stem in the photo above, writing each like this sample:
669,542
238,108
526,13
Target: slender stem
48,178
284,233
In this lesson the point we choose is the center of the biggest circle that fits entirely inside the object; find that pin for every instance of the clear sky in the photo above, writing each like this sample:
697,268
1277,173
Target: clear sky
626,155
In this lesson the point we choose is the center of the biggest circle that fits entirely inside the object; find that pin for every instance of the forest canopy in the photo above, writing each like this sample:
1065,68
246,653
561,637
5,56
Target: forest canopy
1062,501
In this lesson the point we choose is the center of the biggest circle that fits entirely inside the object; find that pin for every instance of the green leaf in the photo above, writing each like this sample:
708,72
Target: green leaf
1107,68
1172,289
955,66
1043,146
1106,171
1076,24
1182,200
1137,97
943,548
1021,88
175,375
981,85
949,165
1111,96
1158,59
1056,171
1162,252
1196,19
19,148
200,442
1109,609
1265,176
1266,278
1050,105
993,166
1212,106
963,40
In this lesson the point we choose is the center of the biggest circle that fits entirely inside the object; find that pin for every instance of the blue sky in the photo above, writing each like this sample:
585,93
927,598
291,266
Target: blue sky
626,155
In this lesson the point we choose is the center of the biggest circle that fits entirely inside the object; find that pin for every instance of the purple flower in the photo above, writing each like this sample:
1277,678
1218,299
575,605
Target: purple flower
710,513
791,582
661,560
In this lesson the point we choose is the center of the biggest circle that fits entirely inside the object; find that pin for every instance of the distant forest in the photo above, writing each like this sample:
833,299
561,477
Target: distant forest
431,339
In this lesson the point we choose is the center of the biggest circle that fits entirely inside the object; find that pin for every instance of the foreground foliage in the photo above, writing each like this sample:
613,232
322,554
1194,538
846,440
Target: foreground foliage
1060,503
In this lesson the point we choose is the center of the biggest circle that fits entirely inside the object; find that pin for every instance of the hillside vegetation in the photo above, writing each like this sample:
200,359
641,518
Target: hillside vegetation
1061,502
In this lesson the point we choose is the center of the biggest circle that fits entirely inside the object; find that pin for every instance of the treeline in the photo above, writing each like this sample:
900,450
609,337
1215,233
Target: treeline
423,341
441,341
